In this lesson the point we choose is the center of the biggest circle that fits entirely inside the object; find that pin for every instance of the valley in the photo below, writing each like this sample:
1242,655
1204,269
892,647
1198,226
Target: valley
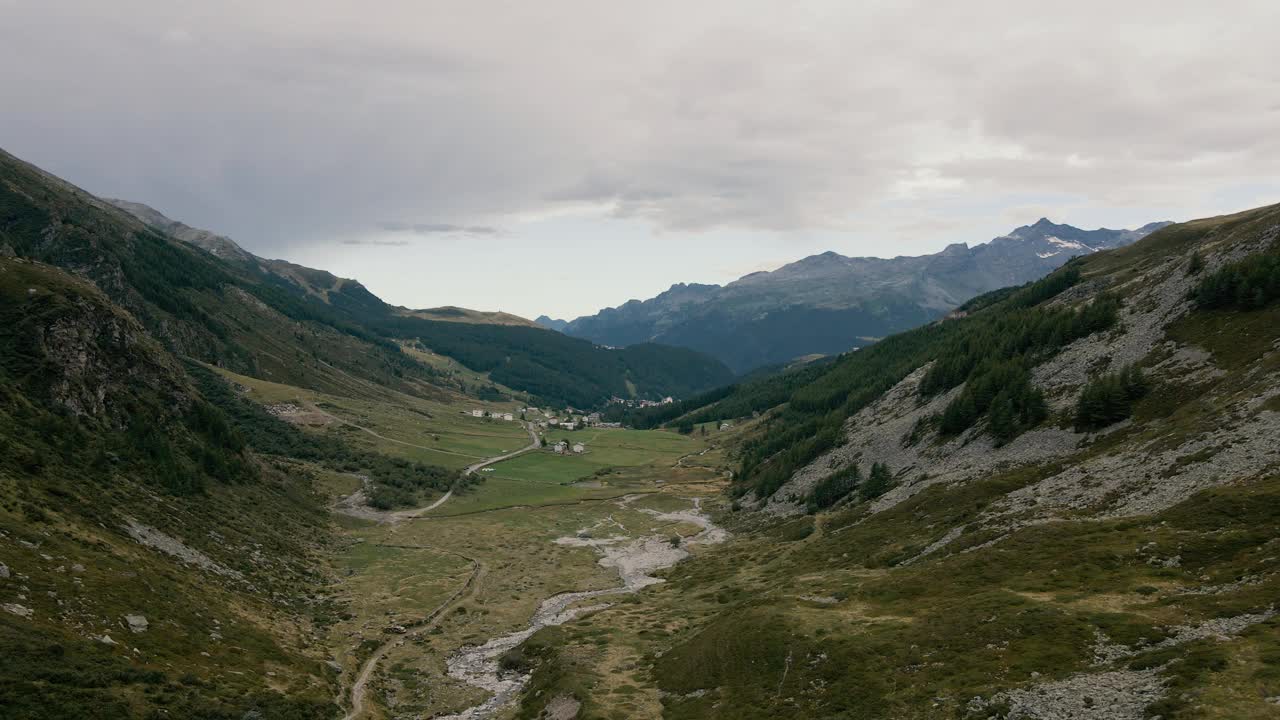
239,489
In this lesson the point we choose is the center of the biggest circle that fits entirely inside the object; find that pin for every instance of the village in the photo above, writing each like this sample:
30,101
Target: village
544,419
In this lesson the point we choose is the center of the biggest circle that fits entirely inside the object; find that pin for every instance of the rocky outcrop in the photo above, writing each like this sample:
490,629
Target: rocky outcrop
1156,466
90,354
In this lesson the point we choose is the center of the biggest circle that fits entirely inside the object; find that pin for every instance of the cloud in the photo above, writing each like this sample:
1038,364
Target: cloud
436,228
374,242
286,123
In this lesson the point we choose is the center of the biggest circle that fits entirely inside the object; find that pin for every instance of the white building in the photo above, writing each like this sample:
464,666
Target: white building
508,417
477,413
579,447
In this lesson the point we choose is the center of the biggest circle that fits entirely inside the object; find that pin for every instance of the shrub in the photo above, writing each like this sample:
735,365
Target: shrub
1109,399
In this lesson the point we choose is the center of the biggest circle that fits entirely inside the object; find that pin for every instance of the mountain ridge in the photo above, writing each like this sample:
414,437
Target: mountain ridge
848,299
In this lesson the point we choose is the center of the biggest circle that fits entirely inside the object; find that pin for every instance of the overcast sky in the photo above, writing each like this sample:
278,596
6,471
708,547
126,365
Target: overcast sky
558,157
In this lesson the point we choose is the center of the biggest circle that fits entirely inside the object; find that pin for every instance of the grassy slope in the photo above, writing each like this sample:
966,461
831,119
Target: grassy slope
70,484
820,617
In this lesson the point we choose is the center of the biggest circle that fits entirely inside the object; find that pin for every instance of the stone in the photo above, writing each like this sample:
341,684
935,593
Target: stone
137,623
19,610
106,640
4,570
77,568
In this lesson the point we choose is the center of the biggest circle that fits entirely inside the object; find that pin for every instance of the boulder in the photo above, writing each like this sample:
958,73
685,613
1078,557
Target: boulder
19,610
137,623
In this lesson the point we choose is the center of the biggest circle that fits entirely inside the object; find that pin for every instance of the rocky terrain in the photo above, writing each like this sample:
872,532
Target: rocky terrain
1122,572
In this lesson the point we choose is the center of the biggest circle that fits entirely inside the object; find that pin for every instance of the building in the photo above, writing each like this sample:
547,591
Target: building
726,425
594,418
559,448
579,447
508,417
477,413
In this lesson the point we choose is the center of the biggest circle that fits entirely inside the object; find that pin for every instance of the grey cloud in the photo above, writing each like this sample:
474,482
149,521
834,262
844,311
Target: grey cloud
375,242
285,123
436,228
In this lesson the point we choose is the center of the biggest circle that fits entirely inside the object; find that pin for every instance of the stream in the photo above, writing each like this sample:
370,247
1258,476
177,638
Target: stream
634,559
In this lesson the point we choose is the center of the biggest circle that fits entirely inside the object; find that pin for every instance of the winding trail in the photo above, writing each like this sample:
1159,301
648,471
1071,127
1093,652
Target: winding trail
534,444
315,408
361,684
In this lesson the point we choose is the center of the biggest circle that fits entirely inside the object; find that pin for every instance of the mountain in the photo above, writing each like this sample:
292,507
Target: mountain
552,323
219,245
829,303
450,313
1061,502
175,414
351,330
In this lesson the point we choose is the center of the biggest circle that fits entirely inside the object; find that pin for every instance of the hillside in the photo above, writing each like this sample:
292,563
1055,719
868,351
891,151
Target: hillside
829,303
1062,503
281,321
145,554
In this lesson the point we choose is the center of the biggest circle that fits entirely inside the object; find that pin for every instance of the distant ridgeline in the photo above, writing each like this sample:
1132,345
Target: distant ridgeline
985,353
273,319
828,304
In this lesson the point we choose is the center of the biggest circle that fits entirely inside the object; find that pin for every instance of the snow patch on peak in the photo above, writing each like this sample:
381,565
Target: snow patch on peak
1069,244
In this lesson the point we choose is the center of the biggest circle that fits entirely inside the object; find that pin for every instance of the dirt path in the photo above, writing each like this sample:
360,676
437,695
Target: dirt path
534,444
360,687
314,408
361,684
354,504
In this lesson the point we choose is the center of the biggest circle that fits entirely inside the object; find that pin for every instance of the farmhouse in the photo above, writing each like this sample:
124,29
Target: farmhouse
579,447
477,413
508,417
559,448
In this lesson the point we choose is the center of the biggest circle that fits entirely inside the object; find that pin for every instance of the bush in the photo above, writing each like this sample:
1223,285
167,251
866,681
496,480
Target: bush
1109,399
835,487
1248,284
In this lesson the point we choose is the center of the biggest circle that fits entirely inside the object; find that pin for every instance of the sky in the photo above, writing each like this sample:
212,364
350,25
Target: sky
561,156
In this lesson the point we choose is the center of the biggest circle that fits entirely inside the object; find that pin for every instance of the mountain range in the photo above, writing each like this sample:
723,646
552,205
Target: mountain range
827,304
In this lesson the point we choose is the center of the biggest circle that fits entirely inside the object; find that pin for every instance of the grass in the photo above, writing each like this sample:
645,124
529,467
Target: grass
730,635
428,431
507,524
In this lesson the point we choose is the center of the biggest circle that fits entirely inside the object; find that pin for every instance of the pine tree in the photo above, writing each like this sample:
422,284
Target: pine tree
877,483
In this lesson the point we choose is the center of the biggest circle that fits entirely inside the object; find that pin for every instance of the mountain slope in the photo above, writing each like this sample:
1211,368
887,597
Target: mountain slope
997,516
829,303
146,555
281,321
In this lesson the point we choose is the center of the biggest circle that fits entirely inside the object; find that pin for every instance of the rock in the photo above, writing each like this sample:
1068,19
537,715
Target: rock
19,610
77,568
4,570
106,640
334,665
137,623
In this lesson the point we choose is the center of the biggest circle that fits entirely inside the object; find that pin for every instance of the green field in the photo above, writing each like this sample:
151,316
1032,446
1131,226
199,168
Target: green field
440,431
605,448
